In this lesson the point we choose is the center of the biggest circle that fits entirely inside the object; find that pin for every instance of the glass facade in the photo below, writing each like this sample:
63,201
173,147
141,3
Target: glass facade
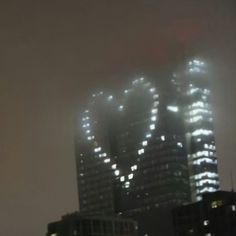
150,148
199,130
131,154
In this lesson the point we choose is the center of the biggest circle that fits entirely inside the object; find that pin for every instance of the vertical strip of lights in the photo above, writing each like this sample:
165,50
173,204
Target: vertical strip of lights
198,118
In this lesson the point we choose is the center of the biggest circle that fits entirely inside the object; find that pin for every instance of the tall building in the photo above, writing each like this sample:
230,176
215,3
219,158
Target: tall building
131,156
149,149
214,215
200,138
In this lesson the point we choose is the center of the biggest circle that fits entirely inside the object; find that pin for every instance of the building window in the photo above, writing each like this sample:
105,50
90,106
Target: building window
233,208
216,204
206,222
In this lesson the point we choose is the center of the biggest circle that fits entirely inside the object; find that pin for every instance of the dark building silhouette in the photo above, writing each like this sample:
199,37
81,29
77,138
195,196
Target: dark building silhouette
135,152
214,215
86,225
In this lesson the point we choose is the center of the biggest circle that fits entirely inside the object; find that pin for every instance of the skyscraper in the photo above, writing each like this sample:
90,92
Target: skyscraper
199,129
131,154
148,149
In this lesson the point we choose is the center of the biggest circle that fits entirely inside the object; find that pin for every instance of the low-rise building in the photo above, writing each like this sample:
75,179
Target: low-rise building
214,215
76,224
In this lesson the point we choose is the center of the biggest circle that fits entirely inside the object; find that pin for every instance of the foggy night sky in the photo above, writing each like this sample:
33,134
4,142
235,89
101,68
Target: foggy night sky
53,54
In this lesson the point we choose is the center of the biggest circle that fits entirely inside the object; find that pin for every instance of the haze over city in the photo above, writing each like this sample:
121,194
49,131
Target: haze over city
54,55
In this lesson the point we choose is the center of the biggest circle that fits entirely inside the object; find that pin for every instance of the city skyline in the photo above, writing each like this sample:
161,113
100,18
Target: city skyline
53,54
150,149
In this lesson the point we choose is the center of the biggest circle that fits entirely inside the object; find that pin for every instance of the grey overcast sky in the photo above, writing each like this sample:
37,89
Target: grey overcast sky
55,53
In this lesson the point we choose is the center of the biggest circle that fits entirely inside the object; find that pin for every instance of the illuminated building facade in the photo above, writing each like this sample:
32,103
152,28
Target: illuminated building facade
199,129
131,156
148,150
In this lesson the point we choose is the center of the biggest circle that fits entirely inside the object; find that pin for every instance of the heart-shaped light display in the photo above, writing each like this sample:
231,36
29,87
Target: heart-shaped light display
100,151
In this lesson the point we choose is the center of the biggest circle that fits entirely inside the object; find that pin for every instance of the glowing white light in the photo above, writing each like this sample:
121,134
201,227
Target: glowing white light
193,90
198,104
130,176
210,146
199,110
200,154
107,160
144,143
54,234
199,198
88,131
91,137
155,96
207,181
127,184
148,135
113,166
152,90
180,144
233,208
152,126
195,119
195,69
122,178
154,111
155,104
121,107
163,138
86,111
206,222
126,91
173,108
205,159
198,62
98,149
103,155
87,118
110,98
153,118
202,132
134,167
205,174
141,151
208,189
117,172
